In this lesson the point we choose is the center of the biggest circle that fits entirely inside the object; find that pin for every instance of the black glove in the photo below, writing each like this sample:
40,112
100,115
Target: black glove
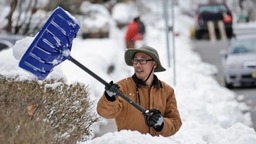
111,91
156,120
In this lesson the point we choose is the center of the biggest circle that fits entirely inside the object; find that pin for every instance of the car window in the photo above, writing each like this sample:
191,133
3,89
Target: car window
213,9
245,46
5,44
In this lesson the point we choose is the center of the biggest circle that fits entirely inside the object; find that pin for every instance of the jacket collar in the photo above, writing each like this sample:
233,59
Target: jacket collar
156,82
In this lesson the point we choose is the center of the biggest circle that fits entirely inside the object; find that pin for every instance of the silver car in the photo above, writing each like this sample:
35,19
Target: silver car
240,62
8,40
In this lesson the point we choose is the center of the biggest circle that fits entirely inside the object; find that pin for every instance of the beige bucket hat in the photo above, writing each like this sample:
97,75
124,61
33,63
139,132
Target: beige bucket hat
129,55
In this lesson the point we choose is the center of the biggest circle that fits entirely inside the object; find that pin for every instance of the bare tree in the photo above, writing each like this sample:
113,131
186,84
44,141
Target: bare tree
13,7
33,10
20,17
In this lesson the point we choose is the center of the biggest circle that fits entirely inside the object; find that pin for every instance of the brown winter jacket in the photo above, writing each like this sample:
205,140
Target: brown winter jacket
160,96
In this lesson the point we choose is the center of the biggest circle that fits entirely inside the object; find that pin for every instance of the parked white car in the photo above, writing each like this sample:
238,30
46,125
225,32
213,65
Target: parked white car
240,62
7,41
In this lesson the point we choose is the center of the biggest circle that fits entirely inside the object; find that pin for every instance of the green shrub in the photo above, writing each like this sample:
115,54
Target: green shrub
45,112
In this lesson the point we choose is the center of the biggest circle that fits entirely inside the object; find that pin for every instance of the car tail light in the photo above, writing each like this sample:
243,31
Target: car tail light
227,18
197,18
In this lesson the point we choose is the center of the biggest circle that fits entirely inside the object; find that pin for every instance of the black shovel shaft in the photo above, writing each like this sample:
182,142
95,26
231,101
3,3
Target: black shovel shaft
106,84
131,102
88,71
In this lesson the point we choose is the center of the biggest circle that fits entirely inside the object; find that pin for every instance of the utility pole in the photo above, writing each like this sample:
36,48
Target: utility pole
167,29
166,18
173,46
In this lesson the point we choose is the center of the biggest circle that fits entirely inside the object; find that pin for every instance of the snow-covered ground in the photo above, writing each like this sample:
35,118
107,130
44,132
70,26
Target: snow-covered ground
209,112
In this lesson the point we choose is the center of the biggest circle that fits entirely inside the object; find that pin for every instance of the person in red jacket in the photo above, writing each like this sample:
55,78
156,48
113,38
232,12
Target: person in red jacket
135,32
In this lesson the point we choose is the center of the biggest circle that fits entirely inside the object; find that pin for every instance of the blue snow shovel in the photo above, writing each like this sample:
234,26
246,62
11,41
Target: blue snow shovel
52,45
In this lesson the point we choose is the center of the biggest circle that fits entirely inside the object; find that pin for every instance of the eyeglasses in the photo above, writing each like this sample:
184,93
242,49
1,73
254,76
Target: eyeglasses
141,61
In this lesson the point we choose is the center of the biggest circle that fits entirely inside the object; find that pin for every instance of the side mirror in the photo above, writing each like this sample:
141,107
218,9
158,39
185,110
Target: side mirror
224,53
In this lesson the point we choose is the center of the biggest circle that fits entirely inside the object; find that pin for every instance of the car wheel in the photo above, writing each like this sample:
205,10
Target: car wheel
229,32
199,34
228,85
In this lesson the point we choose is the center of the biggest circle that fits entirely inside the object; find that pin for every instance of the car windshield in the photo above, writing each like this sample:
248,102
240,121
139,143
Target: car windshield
245,46
212,8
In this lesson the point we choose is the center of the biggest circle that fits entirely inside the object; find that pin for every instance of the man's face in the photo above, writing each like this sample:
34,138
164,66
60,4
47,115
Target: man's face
142,64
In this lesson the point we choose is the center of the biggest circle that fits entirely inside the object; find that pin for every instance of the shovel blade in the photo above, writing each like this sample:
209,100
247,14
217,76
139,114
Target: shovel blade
52,45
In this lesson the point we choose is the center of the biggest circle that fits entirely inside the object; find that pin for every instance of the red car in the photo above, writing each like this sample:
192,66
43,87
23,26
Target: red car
213,12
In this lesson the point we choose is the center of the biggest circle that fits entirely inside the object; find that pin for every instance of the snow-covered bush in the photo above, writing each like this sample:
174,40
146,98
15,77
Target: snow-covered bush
49,112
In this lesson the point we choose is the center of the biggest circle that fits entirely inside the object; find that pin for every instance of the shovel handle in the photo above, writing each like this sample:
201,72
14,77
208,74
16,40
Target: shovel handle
131,102
106,84
88,71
